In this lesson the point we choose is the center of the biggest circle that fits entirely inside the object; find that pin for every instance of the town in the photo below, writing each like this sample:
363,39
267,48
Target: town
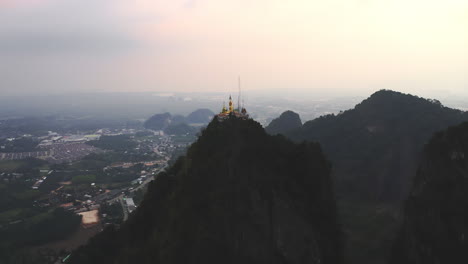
101,176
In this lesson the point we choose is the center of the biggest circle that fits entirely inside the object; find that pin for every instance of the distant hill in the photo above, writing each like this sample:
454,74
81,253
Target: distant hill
158,121
180,129
238,196
375,146
436,212
200,116
286,122
178,124
177,119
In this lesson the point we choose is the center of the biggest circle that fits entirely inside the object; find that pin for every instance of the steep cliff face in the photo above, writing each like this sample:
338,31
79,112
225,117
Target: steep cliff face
375,150
375,147
238,196
435,226
286,122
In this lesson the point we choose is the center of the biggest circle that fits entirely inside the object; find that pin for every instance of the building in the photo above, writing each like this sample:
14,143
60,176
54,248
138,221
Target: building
130,204
240,112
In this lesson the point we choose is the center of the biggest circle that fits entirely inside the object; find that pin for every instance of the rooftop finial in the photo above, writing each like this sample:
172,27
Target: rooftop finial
239,96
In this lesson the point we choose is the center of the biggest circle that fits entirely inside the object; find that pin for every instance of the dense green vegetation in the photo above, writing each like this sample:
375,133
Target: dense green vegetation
27,165
369,230
86,179
116,175
239,196
113,213
15,189
19,145
435,223
138,196
42,228
286,122
36,230
90,170
22,222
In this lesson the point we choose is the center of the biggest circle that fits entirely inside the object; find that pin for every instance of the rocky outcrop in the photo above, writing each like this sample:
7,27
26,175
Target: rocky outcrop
238,196
435,225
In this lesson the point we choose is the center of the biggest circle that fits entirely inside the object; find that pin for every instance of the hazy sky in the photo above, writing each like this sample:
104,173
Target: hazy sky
345,46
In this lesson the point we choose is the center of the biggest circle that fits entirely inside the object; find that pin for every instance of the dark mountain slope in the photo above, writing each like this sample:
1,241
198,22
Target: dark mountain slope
287,121
375,146
435,228
239,196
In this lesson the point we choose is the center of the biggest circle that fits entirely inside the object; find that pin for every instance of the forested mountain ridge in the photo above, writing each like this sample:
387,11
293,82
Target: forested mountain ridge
435,227
158,121
200,116
178,124
375,146
286,122
238,196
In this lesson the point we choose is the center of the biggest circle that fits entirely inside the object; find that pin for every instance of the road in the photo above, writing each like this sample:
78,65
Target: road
145,182
124,208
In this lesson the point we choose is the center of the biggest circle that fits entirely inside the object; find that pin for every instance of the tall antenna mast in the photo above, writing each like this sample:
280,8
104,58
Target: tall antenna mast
239,96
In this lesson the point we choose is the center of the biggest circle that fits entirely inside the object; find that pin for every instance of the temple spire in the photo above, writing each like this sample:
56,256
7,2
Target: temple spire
231,105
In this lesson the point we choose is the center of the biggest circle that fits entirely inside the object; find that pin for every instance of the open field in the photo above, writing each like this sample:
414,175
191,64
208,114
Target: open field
80,237
90,218
10,165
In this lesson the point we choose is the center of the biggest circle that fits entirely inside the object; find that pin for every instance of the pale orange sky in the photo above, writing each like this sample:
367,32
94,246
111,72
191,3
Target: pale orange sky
347,46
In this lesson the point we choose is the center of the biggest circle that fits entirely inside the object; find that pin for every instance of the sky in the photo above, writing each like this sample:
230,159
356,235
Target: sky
349,47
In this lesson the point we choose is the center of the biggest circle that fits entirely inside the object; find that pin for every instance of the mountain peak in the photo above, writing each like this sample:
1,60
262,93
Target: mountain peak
374,147
238,196
287,121
388,99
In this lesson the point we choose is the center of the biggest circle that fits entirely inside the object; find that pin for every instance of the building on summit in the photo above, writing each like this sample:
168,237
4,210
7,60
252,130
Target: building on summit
240,112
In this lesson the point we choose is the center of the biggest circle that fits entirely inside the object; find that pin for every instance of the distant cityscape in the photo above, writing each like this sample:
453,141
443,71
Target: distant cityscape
99,174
